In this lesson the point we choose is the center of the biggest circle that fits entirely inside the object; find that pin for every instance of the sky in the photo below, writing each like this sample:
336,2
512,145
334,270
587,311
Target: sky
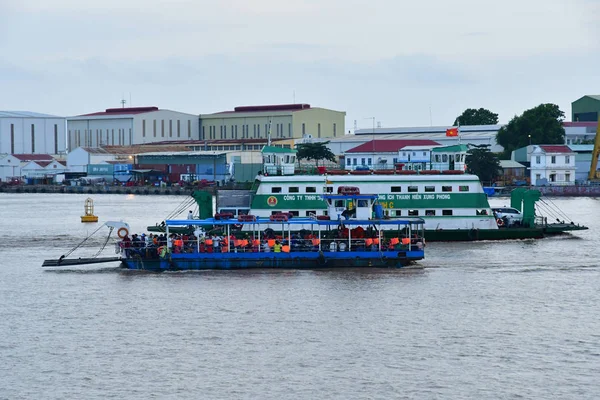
401,63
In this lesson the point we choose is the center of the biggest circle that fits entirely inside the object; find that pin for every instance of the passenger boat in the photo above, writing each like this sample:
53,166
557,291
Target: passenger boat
241,243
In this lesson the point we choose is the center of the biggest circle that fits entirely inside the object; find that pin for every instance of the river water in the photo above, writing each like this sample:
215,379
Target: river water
486,320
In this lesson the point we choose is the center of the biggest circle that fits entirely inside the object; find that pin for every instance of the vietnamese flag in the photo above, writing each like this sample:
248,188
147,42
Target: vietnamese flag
452,132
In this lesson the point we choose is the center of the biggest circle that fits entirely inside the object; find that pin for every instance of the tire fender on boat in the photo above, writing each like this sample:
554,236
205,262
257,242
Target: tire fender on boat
500,222
122,232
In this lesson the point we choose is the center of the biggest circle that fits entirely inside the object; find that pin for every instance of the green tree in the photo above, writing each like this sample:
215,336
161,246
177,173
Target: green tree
538,125
482,162
472,116
315,151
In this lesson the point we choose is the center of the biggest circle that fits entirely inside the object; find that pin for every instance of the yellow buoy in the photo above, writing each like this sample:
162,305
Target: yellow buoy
89,211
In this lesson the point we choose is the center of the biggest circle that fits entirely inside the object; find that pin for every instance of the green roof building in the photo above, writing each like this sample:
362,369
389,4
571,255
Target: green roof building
585,108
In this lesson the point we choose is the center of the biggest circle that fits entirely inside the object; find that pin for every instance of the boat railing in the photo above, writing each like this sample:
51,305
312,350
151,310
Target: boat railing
296,244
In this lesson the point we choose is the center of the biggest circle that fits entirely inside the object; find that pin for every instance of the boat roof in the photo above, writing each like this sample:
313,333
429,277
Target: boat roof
294,221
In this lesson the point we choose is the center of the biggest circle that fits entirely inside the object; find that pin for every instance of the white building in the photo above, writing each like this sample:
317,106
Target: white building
380,154
129,126
472,134
42,169
79,159
25,132
11,165
552,165
580,132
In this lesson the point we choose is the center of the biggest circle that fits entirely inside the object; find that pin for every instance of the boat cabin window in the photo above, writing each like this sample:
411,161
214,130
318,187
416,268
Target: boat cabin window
396,189
430,188
362,203
429,213
311,189
232,211
329,189
311,213
437,158
463,188
413,189
295,213
481,212
413,213
275,190
446,212
340,203
294,189
444,157
446,188
275,212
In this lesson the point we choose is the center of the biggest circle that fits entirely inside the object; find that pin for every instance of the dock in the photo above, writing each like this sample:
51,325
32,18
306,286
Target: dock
66,262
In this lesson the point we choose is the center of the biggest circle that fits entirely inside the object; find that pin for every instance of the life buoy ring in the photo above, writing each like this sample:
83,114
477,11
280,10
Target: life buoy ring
500,222
122,232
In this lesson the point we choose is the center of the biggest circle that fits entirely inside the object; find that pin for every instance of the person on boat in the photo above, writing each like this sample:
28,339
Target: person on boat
190,215
216,244
277,247
342,246
266,248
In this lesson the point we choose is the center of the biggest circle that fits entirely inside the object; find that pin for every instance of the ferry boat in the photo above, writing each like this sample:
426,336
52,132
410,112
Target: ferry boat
452,204
241,243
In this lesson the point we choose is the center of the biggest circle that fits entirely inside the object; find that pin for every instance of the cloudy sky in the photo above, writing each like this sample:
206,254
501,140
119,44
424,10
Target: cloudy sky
406,63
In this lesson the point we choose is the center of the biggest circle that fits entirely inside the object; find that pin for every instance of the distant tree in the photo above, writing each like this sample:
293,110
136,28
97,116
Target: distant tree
482,162
472,116
538,125
315,151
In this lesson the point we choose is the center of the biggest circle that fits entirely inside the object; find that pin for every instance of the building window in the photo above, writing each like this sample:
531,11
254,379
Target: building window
154,127
12,138
130,136
446,188
429,188
362,161
170,128
56,138
413,213
463,188
189,128
203,131
162,128
303,129
113,136
311,189
290,129
567,159
348,161
179,129
275,190
396,189
446,212
354,161
334,130
567,177
143,128
538,159
294,189
553,160
413,189
319,129
369,161
429,213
